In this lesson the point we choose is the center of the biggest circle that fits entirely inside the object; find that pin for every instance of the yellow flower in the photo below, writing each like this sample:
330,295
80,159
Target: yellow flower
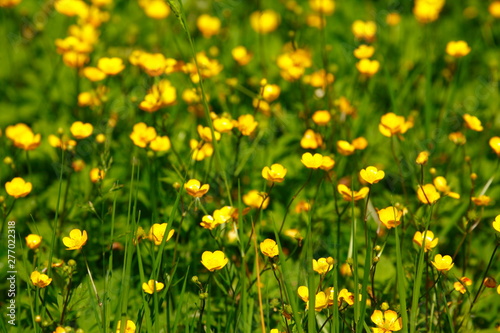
152,286
201,150
157,232
312,162
76,239
390,216
496,223
430,241
9,3
71,7
393,19
241,55
96,175
18,188
247,124
194,188
457,49
372,175
153,64
33,241
302,206
442,263
110,66
360,143
482,200
325,7
316,21
427,11
327,163
368,67
293,63
349,195
461,286
319,79
364,30
386,322
160,143
473,123
223,125
345,148
60,329
270,92
64,143
311,140
422,157
22,136
161,95
40,280
208,25
265,21
208,222
206,134
321,300
428,194
345,295
275,174
323,265
214,261
129,327
495,144
74,59
269,248
94,74
78,165
321,117
442,185
364,51
494,9
345,269
156,9
256,199
391,124
81,130
142,135
457,138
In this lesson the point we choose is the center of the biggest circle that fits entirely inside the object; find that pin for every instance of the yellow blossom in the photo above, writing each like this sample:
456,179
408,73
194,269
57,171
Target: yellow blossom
442,185
496,223
482,200
311,140
293,63
23,137
208,25
386,322
76,240
302,206
18,188
142,135
151,286
247,124
156,9
349,195
274,174
457,138
256,199
161,95
495,144
430,241
422,158
372,175
194,188
494,9
391,124
81,130
346,296
472,122
326,7
265,21
160,143
460,286
364,30
327,163
360,143
94,74
96,175
33,241
71,7
442,263
214,261
241,55
319,79
205,134
270,92
323,265
129,327
110,66
153,64
200,150
269,248
312,162
390,216
40,280
428,194
368,67
457,49
345,148
157,233
223,124
393,19
321,117
78,165
364,51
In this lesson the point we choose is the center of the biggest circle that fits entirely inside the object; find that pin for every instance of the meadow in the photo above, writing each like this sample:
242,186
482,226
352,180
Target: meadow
249,166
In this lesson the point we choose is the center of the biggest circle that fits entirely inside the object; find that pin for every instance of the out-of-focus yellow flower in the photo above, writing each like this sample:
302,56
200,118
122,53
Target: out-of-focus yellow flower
496,223
360,143
247,124
346,296
386,322
110,66
96,175
208,25
311,140
321,300
241,55
495,144
441,263
153,64
223,124
427,11
321,117
312,162
78,165
326,7
302,206
81,130
74,59
205,134
60,329
142,135
393,19
390,216
207,67
323,265
345,269
293,63
364,51
129,327
160,143
157,232
208,222
94,74
349,195
327,163
18,188
316,21
364,30
194,188
368,67
391,124
256,199
152,286
461,286
9,3
156,9
482,200
63,143
472,122
40,280
76,240
430,241
442,185
345,148
457,138
345,106
372,175
214,261
71,7
494,9
271,92
457,49
428,194
161,95
23,137
319,79
265,21
275,174
33,241
201,150
269,248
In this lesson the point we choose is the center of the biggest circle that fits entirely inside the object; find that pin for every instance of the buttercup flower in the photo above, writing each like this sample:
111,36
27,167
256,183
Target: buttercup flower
160,143
368,67
206,134
442,185
428,194
129,328
323,265
364,30
76,240
393,19
201,150
18,188
346,296
496,223
152,286
495,144
241,55
274,174
110,66
142,135
349,195
321,117
223,124
457,138
386,322
312,162
472,123
430,241
372,175
33,241
194,188
494,9
391,124
96,175
364,51
265,21
321,300
311,140
360,143
247,124
40,280
442,263
94,74
461,286
345,148
23,137
325,7
327,164
157,232
214,261
208,25
482,200
390,216
457,49
256,199
81,130
422,157
269,248
271,92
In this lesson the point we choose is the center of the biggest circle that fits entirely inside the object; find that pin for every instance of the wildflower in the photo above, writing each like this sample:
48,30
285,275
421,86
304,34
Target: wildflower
430,241
194,188
494,9
364,51
345,148
323,265
152,286
247,124
208,25
63,143
94,74
368,67
457,138
265,21
81,130
360,143
156,9
345,269
321,300
386,322
129,327
427,11
256,199
393,19
391,124
472,122
76,240
457,49
461,286
349,195
18,188
74,59
157,233
161,95
293,63
496,223
327,163
40,280
241,55
321,117
9,3
274,174
96,175
390,216
345,295
372,175
302,206
270,92
319,79
442,185
269,248
345,106
206,134
428,194
311,140
442,263
33,241
71,7
160,143
325,7
23,137
364,30
78,165
201,150
214,261
482,200
495,144
110,66
223,125
142,134
60,329
208,222
422,158
312,162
